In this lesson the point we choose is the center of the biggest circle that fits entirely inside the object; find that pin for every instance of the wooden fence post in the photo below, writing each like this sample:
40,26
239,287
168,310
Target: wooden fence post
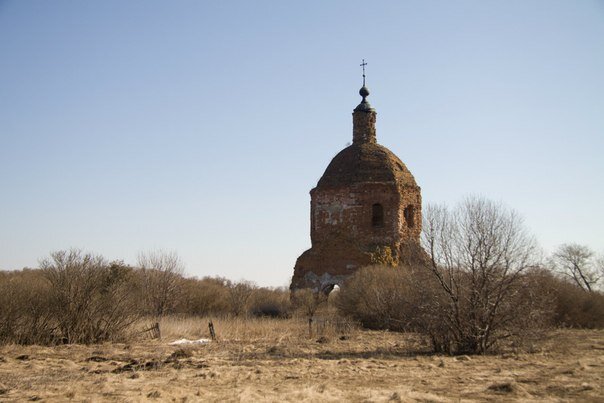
157,331
212,332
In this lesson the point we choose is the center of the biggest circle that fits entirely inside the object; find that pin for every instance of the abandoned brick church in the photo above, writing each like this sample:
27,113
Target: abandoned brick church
367,201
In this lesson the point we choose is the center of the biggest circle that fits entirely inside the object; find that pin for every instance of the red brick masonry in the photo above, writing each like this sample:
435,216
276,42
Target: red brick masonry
366,199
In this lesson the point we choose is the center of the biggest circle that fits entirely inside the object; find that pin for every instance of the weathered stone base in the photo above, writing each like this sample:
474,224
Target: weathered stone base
321,268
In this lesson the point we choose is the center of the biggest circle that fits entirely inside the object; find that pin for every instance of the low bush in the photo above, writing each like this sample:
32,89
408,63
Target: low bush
410,299
203,297
401,298
274,303
25,308
90,300
572,305
73,298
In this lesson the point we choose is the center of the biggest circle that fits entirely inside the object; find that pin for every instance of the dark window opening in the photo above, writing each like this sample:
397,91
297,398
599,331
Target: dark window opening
377,215
410,216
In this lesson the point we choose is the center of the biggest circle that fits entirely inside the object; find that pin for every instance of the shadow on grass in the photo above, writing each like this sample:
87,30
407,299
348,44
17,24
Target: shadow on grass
276,353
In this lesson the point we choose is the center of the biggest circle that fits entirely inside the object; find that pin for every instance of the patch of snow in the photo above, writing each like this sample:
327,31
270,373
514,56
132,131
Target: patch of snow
187,341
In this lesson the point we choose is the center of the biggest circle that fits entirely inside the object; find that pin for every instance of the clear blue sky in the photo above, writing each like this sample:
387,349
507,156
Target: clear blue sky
201,126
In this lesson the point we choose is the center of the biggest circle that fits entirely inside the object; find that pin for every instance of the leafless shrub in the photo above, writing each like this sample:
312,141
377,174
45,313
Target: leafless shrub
271,302
161,274
238,296
203,297
479,254
307,301
401,298
91,300
25,314
380,297
572,305
216,296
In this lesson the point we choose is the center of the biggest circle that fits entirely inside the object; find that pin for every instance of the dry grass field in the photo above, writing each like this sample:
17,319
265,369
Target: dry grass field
275,360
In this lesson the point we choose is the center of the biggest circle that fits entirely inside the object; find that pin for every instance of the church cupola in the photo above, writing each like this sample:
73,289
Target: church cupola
363,118
365,202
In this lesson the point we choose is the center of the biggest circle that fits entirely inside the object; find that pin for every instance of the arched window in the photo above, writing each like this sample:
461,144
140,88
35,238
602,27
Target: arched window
377,215
410,216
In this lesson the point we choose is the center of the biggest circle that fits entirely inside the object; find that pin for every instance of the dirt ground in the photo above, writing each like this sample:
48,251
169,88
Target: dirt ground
362,366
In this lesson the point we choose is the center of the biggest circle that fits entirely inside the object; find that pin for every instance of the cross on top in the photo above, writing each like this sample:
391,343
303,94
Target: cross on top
363,66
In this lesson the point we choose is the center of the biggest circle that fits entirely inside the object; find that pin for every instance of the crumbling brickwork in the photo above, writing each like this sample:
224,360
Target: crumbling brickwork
366,199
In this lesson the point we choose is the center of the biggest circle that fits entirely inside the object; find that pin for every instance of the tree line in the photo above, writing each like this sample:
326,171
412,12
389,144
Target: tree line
483,281
479,280
77,297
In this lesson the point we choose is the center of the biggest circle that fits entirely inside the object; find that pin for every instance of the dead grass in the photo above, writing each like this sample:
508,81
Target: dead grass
232,329
275,360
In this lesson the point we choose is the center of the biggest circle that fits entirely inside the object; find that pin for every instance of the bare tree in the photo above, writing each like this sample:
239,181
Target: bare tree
162,274
579,264
308,301
479,252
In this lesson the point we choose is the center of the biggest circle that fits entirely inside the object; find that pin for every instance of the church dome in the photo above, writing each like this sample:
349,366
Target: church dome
362,163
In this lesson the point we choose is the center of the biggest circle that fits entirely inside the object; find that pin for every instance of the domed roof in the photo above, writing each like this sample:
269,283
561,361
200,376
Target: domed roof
365,162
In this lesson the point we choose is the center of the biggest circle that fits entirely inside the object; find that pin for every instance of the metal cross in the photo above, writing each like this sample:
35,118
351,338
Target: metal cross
363,66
